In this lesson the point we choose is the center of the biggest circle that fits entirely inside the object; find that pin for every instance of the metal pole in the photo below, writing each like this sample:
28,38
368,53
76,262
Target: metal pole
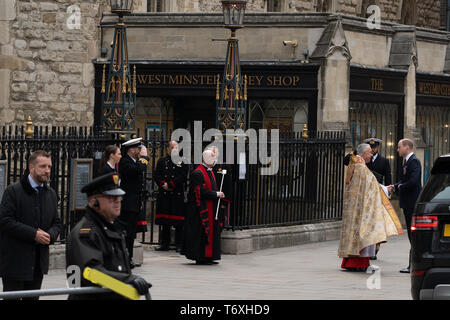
51,292
56,292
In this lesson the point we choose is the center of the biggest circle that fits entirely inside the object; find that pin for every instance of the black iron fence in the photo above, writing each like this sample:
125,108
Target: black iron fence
64,144
308,186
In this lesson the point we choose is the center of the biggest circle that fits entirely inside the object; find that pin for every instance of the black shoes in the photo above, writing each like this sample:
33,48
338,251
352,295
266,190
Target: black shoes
134,264
373,258
406,270
205,262
162,248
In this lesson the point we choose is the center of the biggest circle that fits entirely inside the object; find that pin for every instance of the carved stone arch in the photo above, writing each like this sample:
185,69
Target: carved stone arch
409,12
327,5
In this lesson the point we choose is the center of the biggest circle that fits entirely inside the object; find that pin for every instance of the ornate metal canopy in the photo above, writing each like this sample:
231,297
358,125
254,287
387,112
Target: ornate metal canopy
119,88
231,93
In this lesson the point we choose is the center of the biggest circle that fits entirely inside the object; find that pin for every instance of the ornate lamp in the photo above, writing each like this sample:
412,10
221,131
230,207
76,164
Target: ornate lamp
119,88
231,93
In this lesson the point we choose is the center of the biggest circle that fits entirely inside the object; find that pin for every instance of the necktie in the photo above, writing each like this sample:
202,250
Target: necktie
40,193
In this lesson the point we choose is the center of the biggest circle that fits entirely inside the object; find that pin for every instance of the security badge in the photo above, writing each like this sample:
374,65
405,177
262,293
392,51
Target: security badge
116,179
85,231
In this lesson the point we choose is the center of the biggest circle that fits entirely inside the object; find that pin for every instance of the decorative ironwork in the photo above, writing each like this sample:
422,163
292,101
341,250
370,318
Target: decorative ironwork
231,99
119,89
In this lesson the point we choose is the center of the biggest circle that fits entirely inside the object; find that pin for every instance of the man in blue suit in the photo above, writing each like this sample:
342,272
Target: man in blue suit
410,185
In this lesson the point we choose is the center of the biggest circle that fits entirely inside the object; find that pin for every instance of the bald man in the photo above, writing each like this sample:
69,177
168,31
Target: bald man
202,230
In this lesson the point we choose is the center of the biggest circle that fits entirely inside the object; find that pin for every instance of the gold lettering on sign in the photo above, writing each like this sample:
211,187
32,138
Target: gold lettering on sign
436,89
211,80
376,84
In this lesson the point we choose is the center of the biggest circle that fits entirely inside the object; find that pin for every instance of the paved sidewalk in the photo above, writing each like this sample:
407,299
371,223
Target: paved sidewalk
310,271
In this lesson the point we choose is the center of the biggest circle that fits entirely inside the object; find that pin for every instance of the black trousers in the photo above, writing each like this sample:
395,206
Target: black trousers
19,285
129,221
165,235
408,213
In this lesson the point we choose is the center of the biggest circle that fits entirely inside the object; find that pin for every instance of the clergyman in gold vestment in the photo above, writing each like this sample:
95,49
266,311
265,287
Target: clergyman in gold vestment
368,217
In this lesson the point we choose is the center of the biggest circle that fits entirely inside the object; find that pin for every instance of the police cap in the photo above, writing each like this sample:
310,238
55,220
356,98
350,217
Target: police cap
373,142
107,184
132,143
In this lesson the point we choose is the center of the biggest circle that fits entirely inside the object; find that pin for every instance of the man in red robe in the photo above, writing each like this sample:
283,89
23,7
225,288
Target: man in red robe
202,229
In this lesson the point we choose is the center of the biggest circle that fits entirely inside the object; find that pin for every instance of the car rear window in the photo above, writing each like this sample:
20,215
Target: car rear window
437,188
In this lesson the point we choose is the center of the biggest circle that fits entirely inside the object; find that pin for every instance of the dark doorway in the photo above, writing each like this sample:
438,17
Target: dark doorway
188,110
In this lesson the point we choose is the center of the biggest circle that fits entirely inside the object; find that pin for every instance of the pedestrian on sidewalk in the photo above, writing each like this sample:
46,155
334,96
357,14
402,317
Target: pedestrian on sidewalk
368,218
202,230
409,186
171,178
29,223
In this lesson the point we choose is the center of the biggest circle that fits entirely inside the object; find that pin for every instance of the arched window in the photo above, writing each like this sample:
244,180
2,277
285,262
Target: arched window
156,6
255,115
365,4
409,12
277,5
326,6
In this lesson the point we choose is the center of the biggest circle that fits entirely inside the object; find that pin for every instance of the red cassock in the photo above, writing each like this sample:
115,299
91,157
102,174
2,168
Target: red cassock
202,231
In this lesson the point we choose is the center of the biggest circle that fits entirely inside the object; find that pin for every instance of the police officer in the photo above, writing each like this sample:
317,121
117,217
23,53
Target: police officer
98,243
131,168
379,165
171,178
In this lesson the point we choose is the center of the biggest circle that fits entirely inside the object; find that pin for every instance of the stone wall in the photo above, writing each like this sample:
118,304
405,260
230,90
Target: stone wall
47,65
427,10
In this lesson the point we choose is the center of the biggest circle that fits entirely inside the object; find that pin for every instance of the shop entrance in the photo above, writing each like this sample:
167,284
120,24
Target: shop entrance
190,109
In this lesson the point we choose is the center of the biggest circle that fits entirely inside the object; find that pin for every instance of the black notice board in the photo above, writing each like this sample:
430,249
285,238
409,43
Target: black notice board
3,176
81,175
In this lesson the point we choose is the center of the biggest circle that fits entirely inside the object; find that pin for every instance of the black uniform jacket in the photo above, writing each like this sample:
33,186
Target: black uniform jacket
106,169
170,204
131,179
410,185
381,169
19,221
100,245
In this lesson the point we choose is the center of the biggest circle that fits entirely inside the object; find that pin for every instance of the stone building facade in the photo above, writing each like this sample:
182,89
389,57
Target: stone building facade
46,60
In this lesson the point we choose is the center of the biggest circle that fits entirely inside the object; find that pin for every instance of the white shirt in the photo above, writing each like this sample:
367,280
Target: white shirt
33,183
112,167
408,156
374,157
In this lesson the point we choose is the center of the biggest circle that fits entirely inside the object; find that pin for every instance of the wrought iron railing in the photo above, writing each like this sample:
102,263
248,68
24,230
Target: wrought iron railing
63,144
308,186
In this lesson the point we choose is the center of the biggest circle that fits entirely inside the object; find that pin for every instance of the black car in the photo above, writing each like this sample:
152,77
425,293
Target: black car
430,236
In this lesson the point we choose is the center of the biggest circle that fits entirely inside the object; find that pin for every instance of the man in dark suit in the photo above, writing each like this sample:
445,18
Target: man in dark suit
410,185
29,223
379,165
131,169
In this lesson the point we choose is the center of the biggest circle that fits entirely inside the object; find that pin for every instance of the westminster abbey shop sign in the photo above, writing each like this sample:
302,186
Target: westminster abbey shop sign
201,79
208,80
